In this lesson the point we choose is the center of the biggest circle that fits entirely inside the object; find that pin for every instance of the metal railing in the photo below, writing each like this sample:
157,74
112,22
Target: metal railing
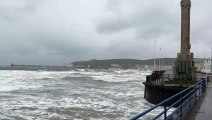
160,79
184,103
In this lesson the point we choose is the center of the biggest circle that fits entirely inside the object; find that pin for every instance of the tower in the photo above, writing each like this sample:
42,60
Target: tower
184,65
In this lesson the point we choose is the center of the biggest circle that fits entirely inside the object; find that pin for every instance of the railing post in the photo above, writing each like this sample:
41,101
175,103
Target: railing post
200,89
161,80
204,85
206,82
169,78
190,101
195,93
181,107
165,112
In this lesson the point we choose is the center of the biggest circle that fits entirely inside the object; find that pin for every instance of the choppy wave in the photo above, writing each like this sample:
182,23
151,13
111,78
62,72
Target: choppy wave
77,94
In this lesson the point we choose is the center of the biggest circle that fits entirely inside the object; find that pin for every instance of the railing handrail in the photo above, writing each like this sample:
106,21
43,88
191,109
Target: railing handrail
165,101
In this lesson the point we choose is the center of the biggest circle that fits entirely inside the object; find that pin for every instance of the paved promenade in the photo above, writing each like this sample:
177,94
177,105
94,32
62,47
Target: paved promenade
203,110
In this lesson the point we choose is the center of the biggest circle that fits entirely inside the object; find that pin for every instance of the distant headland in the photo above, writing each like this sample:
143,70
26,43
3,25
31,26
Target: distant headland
127,63
164,63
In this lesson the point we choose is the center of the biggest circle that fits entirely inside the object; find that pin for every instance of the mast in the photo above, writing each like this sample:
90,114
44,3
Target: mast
154,56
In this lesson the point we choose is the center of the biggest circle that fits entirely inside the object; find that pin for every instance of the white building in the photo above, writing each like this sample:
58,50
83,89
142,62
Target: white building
206,65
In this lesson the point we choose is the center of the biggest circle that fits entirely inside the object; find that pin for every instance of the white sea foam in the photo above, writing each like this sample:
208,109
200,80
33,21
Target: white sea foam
30,94
120,76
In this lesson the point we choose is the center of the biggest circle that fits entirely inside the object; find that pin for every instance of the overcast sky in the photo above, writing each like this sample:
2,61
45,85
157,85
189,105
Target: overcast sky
57,32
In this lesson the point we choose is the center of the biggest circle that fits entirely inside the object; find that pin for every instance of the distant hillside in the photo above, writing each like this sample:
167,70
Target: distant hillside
130,62
123,63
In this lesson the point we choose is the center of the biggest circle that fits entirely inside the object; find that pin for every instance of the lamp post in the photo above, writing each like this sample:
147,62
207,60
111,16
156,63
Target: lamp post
204,62
211,59
160,60
154,56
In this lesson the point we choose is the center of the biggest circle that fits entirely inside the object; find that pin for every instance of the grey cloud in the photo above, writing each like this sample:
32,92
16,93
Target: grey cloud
15,10
150,14
113,25
59,31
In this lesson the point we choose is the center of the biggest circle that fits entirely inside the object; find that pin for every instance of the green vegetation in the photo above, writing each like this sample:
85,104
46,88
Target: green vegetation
126,62
131,62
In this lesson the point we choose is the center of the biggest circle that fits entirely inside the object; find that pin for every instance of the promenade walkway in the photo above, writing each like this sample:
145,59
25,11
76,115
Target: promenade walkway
203,111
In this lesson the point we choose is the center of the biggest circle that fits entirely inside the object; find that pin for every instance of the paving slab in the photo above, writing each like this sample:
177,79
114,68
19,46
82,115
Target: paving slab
205,111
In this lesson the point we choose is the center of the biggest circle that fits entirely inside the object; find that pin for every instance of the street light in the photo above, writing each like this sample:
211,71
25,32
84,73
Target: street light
211,59
160,60
154,56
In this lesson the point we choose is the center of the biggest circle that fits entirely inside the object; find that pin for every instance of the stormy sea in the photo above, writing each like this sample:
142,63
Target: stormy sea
78,94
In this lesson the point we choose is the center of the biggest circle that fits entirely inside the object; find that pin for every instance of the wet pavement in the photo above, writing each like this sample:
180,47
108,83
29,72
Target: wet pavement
202,110
205,111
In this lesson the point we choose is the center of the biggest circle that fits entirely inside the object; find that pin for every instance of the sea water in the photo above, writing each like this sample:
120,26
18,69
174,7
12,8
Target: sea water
79,94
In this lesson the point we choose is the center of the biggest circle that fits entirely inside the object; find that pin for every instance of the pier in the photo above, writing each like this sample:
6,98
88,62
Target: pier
185,95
